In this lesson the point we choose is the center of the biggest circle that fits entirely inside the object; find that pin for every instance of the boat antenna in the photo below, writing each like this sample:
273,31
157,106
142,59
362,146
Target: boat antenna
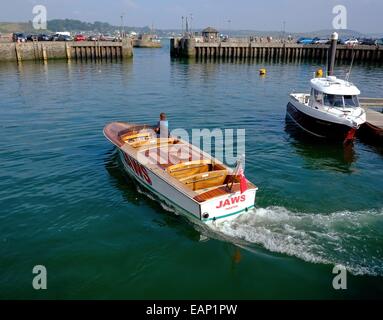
351,65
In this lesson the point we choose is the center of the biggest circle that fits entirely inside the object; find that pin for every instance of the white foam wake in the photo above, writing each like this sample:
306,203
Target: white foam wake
353,239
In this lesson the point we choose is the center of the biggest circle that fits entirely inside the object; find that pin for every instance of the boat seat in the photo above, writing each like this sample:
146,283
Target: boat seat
132,137
190,168
210,188
205,179
153,143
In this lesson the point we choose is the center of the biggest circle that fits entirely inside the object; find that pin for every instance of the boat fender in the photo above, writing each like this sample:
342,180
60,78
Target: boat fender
319,73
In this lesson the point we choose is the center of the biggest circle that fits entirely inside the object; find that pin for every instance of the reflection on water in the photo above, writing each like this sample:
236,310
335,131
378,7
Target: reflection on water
319,153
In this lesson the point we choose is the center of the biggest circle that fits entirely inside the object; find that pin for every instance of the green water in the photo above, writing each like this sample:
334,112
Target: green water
65,203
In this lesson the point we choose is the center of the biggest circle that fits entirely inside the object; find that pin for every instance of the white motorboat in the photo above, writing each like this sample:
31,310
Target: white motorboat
331,111
181,175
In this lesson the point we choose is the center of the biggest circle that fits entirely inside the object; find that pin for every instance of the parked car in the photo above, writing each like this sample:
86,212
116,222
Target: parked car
351,41
62,37
92,38
19,37
63,33
43,37
53,37
379,42
321,41
367,41
305,41
107,37
79,37
32,37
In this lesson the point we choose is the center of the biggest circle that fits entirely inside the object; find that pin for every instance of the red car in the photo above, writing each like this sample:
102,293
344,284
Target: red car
80,37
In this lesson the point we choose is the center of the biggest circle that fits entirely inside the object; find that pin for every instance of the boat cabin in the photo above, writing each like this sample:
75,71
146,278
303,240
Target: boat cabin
333,92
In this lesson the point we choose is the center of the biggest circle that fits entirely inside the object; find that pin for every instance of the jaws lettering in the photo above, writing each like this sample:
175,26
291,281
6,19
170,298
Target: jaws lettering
138,168
231,201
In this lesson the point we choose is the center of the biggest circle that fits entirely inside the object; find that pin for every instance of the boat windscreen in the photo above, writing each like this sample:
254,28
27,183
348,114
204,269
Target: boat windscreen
333,100
351,101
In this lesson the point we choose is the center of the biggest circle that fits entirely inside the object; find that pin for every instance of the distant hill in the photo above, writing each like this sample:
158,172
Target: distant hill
97,26
74,26
68,25
77,25
319,33
9,27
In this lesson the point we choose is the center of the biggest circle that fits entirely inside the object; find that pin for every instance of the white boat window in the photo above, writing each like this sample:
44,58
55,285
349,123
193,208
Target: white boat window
333,100
351,101
318,96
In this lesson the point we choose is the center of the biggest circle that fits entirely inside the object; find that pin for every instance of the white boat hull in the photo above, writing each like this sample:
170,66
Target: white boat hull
320,123
226,207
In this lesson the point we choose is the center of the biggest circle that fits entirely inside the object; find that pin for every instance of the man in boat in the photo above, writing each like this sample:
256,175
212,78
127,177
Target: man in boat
162,128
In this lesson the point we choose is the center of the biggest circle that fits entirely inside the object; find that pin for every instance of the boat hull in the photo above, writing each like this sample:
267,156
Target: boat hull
218,209
318,127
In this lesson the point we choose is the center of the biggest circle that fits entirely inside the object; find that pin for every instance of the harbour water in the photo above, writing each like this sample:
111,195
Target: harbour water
66,204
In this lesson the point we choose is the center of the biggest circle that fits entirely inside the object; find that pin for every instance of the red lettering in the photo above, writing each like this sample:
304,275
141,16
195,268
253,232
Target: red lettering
220,205
127,158
230,201
146,175
234,200
139,169
136,167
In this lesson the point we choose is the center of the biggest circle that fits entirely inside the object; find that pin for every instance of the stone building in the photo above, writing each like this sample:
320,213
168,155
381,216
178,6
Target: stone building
210,34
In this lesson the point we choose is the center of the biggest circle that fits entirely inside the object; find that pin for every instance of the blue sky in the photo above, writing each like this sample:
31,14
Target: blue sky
300,15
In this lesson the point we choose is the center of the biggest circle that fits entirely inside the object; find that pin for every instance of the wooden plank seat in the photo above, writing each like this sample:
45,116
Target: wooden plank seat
136,136
201,191
205,179
175,154
155,143
187,169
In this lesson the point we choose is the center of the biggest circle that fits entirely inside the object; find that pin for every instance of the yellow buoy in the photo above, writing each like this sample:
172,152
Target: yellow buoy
319,73
262,72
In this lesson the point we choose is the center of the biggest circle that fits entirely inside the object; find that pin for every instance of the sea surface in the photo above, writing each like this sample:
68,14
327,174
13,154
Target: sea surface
66,204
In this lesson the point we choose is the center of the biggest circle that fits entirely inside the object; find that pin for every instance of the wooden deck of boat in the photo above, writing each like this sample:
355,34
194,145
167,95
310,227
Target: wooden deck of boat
220,191
178,162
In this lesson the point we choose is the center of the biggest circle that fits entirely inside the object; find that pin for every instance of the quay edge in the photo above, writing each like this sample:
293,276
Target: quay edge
246,49
82,50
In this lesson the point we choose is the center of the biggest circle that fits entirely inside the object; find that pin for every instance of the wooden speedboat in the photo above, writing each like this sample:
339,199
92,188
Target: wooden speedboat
178,173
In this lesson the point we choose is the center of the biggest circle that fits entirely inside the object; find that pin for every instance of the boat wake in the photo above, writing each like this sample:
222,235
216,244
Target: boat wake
352,239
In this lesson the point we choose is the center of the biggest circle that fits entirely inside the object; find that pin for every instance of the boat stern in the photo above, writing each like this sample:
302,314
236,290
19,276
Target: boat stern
229,206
